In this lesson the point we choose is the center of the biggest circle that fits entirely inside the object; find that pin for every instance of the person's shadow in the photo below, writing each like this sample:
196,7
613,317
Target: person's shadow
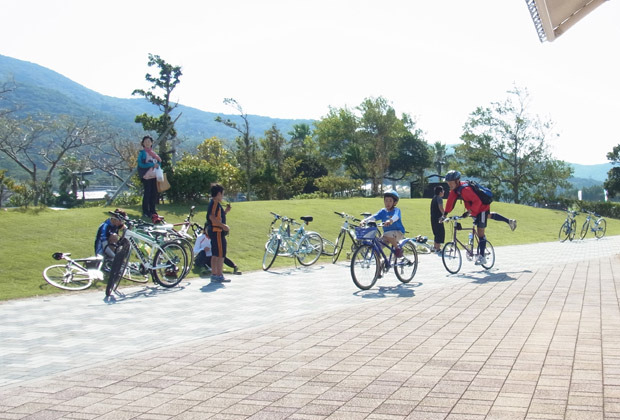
489,277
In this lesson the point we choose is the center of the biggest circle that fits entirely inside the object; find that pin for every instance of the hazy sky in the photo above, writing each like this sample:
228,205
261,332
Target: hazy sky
435,60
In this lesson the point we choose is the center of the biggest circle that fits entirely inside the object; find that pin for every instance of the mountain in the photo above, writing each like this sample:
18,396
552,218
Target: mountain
42,90
593,172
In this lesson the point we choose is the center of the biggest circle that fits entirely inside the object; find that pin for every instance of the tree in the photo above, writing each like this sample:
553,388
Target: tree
246,146
374,144
612,184
167,80
213,152
506,147
41,145
6,184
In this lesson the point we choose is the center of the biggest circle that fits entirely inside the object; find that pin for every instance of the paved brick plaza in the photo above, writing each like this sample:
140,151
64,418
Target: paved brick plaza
536,337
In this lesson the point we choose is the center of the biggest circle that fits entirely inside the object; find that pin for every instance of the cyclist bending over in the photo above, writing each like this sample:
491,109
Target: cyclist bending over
475,207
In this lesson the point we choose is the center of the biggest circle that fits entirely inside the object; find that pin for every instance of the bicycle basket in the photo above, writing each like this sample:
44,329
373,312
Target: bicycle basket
458,226
91,264
366,232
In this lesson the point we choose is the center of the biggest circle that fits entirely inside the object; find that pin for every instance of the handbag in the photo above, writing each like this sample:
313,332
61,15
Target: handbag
160,174
163,185
150,174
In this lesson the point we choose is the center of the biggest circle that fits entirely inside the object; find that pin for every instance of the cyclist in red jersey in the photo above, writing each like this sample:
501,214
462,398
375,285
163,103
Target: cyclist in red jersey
475,207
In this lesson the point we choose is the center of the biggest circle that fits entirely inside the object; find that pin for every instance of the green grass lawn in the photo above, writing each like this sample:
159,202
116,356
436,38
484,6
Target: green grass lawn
29,237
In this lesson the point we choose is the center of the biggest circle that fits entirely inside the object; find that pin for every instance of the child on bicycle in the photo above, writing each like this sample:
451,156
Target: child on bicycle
475,207
393,229
107,235
202,253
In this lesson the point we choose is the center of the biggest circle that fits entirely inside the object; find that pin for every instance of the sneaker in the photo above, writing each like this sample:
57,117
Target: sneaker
481,260
223,279
399,252
236,270
513,224
215,279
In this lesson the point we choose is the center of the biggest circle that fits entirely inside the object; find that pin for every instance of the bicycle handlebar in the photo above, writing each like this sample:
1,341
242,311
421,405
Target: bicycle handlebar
347,216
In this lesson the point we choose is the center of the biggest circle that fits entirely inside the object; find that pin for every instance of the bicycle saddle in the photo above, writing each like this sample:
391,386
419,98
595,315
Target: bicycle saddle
307,219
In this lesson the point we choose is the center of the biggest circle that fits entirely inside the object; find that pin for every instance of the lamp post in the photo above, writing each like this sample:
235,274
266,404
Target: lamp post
83,182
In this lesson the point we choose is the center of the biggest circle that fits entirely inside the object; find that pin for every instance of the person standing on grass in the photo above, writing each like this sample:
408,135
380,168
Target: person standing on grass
147,159
439,231
217,229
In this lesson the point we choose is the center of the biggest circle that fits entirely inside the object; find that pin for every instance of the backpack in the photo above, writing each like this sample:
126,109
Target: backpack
484,194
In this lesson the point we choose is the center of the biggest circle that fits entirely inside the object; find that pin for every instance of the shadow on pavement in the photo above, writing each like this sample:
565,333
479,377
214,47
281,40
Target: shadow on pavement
488,277
402,290
147,292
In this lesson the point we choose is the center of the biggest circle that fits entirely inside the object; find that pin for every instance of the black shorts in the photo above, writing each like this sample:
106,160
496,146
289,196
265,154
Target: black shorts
481,220
439,231
218,243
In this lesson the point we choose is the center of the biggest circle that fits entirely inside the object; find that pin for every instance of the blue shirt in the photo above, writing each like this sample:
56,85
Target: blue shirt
103,233
384,215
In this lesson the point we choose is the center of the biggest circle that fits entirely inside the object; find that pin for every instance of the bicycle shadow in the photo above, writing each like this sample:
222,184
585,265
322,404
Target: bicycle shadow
150,291
401,291
291,271
484,277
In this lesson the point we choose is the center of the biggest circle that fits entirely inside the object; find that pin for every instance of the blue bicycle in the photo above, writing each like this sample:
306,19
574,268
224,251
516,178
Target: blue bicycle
370,261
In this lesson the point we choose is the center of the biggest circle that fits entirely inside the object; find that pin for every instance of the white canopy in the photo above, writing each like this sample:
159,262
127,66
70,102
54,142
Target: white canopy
553,17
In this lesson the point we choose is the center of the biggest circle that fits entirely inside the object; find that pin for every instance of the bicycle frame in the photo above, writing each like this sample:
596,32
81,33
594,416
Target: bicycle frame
451,254
370,261
347,229
599,226
305,246
75,274
569,227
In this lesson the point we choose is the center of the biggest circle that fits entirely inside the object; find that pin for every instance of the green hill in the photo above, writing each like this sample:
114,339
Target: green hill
38,237
42,90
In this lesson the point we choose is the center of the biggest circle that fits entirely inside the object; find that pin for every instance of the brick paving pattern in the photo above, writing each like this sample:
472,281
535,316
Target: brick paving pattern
536,337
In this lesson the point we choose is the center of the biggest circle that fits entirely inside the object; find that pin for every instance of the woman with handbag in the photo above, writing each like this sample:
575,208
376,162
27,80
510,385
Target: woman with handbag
148,161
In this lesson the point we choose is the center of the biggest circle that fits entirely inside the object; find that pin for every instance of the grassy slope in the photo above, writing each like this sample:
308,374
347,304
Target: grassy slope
29,237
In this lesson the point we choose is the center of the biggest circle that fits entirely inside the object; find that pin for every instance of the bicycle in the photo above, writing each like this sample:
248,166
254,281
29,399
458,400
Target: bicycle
569,227
76,274
347,228
370,262
451,254
599,226
167,267
305,246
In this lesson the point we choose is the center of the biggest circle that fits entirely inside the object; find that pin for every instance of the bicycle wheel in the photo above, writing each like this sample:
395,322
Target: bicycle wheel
406,266
564,232
600,228
584,229
67,277
271,252
451,257
118,266
189,251
338,246
134,269
489,255
365,267
309,249
573,230
169,264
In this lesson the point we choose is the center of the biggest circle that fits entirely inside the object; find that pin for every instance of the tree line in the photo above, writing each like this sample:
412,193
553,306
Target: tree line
502,144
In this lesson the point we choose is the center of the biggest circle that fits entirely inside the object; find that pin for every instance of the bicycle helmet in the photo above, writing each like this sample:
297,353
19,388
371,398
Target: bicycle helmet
392,194
453,176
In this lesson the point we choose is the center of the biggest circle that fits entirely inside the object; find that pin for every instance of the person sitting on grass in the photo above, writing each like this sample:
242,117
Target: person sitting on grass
202,253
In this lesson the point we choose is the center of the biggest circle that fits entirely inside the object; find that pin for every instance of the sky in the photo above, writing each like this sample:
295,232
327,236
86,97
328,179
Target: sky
434,60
